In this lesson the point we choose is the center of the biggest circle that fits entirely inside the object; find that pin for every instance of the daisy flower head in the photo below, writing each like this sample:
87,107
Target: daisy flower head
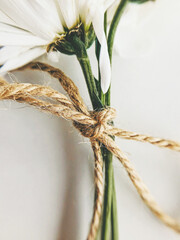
30,29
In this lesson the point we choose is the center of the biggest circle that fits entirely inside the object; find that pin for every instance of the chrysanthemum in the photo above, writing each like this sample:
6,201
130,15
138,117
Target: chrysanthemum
29,29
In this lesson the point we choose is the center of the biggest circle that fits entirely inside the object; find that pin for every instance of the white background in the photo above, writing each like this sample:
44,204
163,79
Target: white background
46,167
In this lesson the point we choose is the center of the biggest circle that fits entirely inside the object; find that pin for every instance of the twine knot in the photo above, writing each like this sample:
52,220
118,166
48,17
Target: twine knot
102,119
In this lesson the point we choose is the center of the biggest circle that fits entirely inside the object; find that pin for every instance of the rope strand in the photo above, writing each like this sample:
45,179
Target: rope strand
163,143
98,178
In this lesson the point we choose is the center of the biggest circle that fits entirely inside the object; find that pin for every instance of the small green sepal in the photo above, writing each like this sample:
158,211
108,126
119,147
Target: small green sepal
65,44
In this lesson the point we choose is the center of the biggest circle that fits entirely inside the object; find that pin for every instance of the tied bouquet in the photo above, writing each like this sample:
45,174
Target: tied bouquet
38,29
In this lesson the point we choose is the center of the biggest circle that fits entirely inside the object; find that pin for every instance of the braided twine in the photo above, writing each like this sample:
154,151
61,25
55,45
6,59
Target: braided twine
93,125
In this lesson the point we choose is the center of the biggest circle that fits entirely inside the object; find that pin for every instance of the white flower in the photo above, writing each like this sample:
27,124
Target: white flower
28,27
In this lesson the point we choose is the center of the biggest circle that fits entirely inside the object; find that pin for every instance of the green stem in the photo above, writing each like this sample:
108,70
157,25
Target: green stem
83,59
108,193
114,215
110,204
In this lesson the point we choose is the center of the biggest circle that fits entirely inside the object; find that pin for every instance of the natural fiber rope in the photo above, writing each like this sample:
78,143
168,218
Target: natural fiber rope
144,138
98,172
93,125
66,83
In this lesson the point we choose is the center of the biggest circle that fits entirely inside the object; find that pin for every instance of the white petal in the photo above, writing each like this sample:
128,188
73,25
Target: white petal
104,61
9,52
22,59
105,67
87,10
48,14
5,19
4,27
15,36
26,17
69,12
